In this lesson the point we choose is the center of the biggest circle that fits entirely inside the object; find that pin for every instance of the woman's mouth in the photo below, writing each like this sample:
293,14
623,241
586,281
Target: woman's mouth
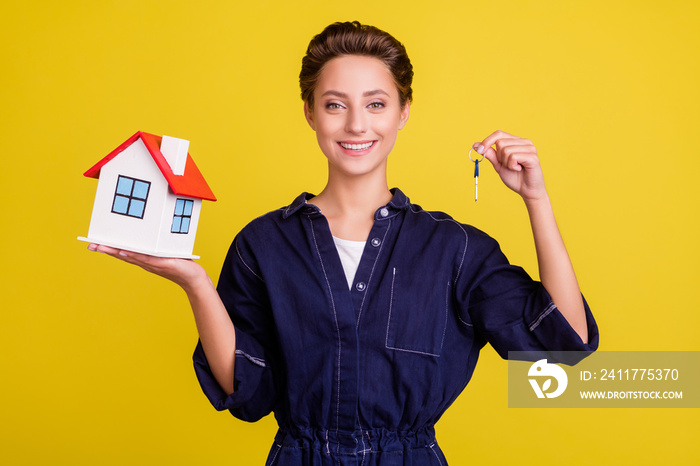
356,148
361,146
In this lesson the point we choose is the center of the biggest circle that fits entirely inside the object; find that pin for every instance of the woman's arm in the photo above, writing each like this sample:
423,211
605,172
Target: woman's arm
216,331
516,162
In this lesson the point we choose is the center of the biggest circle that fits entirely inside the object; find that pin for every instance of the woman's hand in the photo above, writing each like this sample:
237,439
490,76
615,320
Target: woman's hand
216,331
516,162
184,272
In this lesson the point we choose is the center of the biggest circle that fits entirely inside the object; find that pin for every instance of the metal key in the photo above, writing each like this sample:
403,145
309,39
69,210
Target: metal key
476,174
476,180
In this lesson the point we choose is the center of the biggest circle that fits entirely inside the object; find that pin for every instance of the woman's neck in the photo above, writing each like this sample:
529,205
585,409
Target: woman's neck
349,204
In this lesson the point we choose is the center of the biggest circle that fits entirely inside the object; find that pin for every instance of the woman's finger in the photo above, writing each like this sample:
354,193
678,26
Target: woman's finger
495,136
507,142
180,271
491,155
519,160
511,155
110,251
142,260
506,146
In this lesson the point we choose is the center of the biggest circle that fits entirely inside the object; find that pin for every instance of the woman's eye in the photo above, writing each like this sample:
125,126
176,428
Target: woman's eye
376,105
333,106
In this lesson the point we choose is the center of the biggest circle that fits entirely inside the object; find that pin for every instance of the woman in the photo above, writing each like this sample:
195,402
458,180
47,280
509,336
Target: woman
354,315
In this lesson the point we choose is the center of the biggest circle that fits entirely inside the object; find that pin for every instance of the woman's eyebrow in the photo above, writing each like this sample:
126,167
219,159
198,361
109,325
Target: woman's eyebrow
343,95
375,92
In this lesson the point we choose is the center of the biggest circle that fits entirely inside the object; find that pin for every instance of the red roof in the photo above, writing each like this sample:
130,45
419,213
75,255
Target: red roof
191,183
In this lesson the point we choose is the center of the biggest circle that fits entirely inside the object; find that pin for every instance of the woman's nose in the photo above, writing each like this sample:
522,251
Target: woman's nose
356,122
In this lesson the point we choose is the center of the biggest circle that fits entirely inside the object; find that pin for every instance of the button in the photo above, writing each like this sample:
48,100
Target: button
360,286
375,242
384,212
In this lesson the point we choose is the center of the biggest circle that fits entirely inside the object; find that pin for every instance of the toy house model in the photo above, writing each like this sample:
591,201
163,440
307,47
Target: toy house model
149,196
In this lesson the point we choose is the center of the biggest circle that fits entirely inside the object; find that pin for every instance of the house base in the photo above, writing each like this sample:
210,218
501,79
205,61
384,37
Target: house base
140,251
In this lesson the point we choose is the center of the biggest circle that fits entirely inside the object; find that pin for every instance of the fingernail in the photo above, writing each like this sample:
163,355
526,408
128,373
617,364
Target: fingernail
122,253
480,150
92,247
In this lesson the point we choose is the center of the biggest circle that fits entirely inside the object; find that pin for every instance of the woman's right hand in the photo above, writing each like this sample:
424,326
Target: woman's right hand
215,328
184,272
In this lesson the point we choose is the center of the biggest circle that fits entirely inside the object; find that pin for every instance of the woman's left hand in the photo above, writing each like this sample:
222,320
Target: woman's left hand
516,162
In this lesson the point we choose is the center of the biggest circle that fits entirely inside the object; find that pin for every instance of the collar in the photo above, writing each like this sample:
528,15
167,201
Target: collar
398,202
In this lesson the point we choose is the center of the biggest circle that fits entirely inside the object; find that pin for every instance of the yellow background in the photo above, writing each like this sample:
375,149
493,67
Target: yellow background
96,354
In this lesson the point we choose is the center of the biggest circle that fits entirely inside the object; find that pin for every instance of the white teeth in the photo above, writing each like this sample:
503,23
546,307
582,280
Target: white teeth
364,146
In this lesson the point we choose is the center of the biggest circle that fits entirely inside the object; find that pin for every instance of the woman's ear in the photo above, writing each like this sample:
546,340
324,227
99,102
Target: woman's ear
309,116
404,115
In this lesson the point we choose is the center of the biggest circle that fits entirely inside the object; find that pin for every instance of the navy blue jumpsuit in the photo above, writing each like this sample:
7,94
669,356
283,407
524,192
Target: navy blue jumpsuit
359,376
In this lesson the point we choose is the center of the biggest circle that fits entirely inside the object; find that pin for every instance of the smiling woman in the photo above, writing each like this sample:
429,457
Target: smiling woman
356,116
356,316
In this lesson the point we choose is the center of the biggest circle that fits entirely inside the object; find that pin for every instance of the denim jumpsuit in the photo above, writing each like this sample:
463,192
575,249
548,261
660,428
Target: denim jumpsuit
359,376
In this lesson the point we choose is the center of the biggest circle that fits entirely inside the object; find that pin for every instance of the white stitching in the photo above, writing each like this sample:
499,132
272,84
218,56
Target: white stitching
288,208
257,361
246,265
376,259
432,448
464,253
364,450
413,351
272,461
466,236
366,447
544,314
447,307
391,302
465,323
388,324
337,329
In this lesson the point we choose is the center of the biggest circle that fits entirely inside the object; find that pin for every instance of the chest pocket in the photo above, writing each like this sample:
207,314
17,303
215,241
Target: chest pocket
417,313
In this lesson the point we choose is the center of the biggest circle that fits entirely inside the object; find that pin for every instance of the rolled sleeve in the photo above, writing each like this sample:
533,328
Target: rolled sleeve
510,310
555,333
254,391
243,292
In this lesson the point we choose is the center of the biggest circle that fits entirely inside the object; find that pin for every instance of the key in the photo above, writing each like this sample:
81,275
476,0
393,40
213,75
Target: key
476,180
476,174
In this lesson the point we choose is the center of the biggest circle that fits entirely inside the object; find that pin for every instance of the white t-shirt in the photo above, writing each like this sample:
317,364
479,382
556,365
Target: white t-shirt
350,253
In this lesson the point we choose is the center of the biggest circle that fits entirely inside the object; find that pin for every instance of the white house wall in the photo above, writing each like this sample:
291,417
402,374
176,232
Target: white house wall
177,244
121,230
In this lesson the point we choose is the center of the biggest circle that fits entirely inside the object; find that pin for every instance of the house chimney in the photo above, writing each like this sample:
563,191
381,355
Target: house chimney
175,152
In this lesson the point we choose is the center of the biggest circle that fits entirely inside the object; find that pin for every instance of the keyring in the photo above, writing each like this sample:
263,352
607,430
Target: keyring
470,156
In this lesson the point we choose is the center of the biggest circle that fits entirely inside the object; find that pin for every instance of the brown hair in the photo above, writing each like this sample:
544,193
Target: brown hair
353,38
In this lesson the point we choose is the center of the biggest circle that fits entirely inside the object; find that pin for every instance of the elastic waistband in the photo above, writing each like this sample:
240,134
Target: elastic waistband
331,441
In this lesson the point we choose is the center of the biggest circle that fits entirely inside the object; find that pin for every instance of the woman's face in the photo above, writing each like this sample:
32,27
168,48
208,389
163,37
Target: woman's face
356,114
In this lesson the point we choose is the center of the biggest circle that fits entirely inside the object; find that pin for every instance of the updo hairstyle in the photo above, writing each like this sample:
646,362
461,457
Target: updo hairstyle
353,38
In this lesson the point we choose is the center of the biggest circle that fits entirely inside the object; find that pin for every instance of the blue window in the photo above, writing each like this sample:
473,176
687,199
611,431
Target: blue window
130,198
182,217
